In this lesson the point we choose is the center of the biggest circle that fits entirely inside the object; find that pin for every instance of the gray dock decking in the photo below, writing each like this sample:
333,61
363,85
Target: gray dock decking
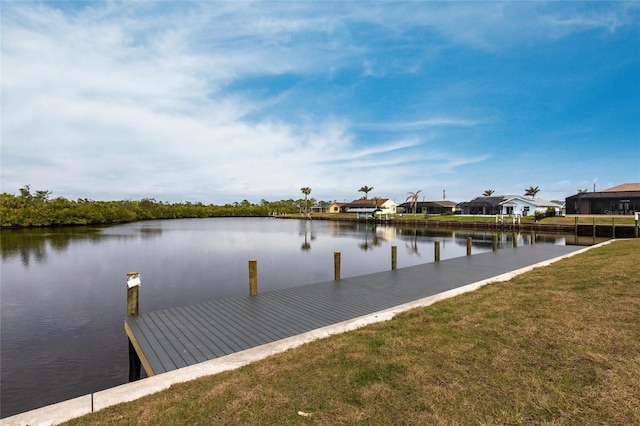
173,338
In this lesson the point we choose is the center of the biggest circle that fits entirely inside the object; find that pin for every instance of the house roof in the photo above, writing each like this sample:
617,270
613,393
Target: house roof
368,201
624,187
626,190
483,201
533,201
363,210
429,203
446,203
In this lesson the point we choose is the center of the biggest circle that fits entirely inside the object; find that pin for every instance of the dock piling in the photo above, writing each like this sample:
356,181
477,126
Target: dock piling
613,227
135,365
133,309
436,250
394,257
253,277
336,265
469,242
495,242
133,294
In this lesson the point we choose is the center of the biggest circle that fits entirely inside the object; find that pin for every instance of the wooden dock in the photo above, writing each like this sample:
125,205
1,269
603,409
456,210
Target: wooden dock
173,338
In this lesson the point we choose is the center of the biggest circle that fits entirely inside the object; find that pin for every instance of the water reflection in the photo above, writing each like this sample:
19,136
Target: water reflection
37,244
369,237
306,230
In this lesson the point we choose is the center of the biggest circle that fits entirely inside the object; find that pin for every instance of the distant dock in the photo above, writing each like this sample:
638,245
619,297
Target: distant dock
174,338
505,224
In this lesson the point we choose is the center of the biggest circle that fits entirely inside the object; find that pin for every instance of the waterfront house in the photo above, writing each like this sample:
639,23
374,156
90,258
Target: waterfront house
382,205
336,207
619,200
428,207
484,205
522,206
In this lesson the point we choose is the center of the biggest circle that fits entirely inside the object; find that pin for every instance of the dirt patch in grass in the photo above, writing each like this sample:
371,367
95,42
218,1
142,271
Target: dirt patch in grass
558,345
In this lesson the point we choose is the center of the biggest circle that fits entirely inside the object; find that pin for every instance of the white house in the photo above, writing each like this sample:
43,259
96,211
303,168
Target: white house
522,206
388,206
381,205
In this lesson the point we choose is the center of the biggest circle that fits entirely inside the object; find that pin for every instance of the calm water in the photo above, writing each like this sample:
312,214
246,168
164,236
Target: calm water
63,291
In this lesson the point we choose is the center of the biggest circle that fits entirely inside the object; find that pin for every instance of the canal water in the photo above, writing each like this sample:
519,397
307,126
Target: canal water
63,291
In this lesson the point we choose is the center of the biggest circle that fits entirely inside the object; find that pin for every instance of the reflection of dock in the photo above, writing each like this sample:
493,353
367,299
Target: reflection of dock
173,338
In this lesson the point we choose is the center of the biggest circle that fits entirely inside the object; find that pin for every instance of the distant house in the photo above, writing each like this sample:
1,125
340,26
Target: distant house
522,206
382,205
428,207
619,200
484,205
336,207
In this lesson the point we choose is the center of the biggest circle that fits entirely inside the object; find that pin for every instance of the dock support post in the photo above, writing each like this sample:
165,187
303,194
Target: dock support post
594,228
336,265
533,237
133,309
135,365
469,241
495,242
253,277
133,294
613,227
515,240
436,250
394,257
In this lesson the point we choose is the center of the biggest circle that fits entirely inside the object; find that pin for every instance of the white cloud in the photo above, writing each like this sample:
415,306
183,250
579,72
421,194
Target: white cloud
421,124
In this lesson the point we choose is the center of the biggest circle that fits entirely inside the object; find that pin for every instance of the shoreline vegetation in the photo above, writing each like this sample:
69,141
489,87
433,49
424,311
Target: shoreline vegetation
34,210
556,345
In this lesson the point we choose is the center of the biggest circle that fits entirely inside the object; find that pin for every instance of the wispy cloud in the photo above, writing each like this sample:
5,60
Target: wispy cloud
420,124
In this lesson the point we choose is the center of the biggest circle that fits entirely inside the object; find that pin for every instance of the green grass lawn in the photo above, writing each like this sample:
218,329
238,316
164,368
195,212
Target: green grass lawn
559,345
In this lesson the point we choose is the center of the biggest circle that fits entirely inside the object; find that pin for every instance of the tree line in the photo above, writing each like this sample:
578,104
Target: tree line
38,209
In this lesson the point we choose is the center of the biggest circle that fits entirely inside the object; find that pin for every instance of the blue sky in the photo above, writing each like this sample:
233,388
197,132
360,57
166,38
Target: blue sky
224,101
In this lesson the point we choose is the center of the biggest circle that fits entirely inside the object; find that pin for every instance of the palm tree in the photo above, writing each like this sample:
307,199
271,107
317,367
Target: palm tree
582,191
306,191
366,189
488,192
376,201
413,196
531,191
